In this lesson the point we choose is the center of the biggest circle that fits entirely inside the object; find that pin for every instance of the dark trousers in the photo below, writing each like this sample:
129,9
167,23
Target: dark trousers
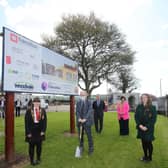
17,111
32,146
98,123
147,148
124,126
86,129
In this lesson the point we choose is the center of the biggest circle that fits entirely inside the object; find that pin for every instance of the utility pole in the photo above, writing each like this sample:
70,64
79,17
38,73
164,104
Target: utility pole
160,87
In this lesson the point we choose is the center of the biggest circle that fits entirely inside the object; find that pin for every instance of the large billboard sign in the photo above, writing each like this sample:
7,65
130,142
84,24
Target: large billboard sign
30,67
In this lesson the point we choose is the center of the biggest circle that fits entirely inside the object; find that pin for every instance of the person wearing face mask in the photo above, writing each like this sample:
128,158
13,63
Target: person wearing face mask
35,128
84,117
145,117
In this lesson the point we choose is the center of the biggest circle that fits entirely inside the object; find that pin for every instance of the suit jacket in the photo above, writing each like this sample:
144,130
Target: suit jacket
99,109
35,128
87,112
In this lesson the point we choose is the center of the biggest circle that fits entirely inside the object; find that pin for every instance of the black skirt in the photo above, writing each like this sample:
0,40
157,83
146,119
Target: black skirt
36,134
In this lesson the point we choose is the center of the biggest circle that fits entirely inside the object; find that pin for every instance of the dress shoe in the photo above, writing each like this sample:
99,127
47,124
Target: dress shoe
33,163
144,159
37,162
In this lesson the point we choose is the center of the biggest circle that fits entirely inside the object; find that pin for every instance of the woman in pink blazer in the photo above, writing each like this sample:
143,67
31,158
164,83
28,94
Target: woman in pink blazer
123,116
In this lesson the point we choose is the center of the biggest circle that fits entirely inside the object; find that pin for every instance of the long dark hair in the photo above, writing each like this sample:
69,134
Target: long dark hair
148,104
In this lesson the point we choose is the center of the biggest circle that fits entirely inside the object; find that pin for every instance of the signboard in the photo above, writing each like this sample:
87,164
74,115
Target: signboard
30,67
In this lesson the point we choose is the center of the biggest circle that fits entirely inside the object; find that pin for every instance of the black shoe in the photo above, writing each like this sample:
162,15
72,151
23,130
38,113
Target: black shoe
38,161
33,163
149,159
144,159
90,153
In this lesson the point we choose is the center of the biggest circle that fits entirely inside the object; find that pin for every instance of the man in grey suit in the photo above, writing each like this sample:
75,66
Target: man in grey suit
84,117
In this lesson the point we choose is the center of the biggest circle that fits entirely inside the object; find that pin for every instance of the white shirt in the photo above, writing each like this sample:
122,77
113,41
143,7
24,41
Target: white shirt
35,116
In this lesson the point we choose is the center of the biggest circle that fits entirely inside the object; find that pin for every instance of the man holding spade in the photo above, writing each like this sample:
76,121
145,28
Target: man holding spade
84,117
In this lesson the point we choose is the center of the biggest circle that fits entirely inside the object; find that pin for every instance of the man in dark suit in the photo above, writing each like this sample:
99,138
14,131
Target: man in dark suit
98,107
84,117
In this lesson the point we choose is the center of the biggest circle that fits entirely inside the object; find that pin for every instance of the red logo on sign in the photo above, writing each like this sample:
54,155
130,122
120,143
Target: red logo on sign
8,59
14,38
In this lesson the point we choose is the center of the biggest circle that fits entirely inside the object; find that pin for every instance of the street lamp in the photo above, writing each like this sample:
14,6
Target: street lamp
160,87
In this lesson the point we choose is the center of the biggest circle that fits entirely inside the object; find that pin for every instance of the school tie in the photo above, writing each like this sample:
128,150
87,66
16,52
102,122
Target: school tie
37,114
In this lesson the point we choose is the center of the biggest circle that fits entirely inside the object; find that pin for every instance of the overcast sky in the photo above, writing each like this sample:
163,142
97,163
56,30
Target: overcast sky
144,22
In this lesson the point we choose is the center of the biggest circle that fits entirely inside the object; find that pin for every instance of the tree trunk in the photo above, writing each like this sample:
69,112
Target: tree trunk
124,90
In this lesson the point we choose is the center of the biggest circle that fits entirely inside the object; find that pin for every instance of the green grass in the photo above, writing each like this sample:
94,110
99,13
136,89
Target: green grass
111,150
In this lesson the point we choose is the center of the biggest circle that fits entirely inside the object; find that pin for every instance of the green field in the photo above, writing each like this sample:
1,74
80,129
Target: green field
111,150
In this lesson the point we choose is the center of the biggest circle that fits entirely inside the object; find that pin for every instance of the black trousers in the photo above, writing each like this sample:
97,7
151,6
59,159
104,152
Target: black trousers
98,123
32,146
124,126
147,148
17,111
86,129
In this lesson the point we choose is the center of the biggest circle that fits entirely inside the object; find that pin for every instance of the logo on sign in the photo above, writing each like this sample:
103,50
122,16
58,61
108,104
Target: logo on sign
24,86
12,71
8,59
44,85
13,37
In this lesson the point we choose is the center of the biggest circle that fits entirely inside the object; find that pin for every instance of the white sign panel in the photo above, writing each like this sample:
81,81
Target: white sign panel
29,67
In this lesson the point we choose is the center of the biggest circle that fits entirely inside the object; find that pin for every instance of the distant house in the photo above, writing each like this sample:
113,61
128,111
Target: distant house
162,103
132,98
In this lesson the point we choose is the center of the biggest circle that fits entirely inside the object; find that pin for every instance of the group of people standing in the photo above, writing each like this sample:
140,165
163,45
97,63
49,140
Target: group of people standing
17,103
145,118
87,114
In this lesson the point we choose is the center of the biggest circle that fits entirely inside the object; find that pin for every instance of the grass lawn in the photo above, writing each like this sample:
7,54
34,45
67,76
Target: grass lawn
111,150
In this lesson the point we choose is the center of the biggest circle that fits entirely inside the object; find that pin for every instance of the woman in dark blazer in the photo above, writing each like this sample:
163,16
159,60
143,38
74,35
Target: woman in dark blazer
35,128
145,117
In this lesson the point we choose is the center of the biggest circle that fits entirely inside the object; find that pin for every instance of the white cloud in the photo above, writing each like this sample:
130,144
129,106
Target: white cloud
3,3
158,44
35,17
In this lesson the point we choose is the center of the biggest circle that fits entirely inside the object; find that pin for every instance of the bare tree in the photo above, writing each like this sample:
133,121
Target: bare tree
124,80
98,47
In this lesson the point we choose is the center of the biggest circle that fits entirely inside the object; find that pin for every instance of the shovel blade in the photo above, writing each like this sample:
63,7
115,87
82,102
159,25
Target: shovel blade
78,152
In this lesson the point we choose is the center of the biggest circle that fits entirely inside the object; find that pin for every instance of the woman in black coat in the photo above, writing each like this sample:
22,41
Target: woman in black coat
145,117
35,128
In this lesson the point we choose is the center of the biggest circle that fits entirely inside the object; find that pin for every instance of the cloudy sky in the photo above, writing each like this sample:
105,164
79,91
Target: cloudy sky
144,22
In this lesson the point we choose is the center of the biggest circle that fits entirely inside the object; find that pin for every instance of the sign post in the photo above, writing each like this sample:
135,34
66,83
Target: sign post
9,127
32,68
72,114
